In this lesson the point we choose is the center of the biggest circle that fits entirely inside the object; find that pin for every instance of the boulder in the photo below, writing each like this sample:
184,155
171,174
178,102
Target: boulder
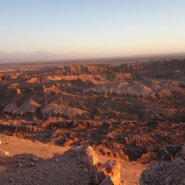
87,156
107,174
164,172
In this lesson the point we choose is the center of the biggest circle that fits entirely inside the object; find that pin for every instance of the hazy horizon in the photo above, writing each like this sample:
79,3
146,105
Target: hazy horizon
44,57
53,30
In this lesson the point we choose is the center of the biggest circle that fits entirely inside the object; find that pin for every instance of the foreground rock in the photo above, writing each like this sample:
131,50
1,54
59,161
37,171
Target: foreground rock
80,165
86,155
165,173
103,174
112,170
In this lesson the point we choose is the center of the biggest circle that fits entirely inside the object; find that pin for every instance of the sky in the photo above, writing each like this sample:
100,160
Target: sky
92,28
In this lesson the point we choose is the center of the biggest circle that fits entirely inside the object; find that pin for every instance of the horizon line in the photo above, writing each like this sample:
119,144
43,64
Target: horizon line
76,59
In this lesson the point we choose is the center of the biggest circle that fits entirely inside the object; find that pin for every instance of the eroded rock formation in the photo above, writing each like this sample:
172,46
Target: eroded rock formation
108,173
131,111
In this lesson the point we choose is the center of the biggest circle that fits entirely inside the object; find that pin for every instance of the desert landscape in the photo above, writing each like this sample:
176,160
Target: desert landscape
92,92
133,113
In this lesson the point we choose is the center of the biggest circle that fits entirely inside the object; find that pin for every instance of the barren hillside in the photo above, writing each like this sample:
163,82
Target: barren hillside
132,112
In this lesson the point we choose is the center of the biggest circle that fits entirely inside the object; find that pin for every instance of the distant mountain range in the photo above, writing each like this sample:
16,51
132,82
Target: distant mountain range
28,57
40,55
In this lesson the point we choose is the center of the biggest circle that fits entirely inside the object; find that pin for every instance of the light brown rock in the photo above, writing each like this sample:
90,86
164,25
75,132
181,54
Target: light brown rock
113,170
87,156
4,153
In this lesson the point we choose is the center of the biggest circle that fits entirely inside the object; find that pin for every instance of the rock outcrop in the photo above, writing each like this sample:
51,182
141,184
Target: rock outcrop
165,172
86,155
102,174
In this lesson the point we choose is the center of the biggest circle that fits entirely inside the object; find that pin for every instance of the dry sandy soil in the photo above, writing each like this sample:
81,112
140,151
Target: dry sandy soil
32,162
132,112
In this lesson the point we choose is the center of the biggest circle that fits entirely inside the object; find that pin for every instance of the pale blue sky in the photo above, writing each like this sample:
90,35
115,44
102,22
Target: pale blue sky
93,27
